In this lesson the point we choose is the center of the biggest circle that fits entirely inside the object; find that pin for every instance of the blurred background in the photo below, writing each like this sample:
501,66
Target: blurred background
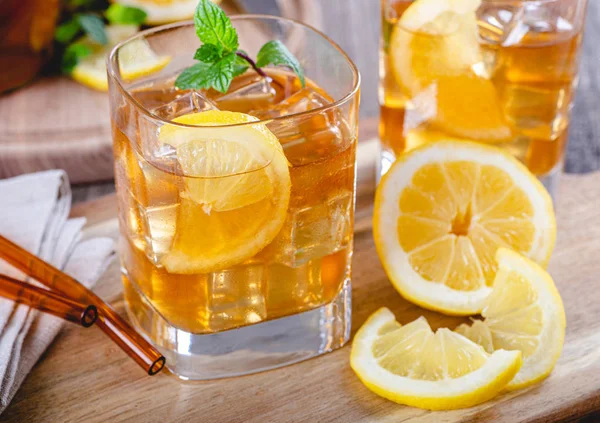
54,122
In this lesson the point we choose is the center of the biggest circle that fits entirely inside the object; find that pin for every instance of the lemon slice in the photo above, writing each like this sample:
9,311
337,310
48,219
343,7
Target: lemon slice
524,313
237,190
136,59
414,366
164,11
441,213
436,57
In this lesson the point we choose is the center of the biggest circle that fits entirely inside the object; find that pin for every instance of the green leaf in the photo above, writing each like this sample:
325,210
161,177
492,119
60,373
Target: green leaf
207,53
240,66
80,3
120,14
202,75
94,27
276,53
214,27
67,31
72,55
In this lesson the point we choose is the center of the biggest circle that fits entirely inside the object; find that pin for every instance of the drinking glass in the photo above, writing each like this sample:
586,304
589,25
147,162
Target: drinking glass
506,76
259,306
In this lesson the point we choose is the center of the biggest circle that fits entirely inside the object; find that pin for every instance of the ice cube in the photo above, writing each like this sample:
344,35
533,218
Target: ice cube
291,288
319,128
301,101
313,231
236,296
188,102
154,97
257,94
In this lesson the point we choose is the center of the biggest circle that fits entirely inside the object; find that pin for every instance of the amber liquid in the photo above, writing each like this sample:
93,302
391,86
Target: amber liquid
304,267
534,82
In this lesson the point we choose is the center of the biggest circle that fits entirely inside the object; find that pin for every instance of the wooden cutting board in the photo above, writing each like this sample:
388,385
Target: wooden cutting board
84,377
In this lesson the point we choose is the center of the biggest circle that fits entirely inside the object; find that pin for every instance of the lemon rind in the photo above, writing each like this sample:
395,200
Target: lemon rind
405,279
466,391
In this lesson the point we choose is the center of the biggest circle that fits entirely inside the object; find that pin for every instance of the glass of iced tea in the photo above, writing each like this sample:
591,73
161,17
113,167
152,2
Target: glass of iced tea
236,234
502,72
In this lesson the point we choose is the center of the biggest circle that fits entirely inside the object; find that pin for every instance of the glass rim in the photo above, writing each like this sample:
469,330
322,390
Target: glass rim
421,33
111,63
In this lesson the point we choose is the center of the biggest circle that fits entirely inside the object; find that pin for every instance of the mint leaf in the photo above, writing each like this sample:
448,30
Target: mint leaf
276,53
121,14
93,26
240,66
207,53
214,27
217,75
72,55
67,31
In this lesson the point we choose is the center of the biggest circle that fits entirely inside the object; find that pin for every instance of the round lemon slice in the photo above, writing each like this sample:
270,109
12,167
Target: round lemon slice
523,313
136,59
237,189
414,366
436,58
441,213
164,11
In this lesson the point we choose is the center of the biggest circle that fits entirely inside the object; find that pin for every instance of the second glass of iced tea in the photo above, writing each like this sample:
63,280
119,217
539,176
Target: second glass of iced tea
504,74
236,236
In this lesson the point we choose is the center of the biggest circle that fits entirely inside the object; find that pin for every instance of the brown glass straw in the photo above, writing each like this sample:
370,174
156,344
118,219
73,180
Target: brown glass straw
47,301
148,357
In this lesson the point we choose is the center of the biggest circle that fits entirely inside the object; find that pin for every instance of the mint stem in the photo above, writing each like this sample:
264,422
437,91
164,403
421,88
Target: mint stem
252,63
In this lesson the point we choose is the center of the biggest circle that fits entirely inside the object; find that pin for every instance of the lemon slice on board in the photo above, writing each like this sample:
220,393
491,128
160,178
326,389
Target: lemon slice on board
441,213
136,59
164,11
436,57
414,366
237,190
524,313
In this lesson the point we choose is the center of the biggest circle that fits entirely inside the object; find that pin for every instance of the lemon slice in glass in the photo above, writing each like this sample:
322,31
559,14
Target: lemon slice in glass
237,190
435,56
524,313
414,366
441,213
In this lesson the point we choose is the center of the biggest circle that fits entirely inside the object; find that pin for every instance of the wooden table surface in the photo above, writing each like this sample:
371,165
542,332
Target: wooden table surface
84,377
35,115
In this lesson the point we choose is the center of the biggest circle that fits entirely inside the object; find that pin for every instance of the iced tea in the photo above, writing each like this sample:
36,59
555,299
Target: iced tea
199,280
507,77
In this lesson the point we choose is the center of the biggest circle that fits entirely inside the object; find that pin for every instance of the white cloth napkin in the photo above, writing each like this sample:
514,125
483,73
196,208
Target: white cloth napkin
34,214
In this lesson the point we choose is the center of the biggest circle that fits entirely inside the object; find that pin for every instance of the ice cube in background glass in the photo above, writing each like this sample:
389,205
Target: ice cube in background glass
255,93
497,21
183,104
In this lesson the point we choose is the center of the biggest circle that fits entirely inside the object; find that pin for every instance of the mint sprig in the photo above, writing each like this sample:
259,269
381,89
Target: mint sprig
221,60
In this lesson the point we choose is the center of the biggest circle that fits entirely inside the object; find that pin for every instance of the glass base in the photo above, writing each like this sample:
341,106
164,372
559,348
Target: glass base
249,349
549,180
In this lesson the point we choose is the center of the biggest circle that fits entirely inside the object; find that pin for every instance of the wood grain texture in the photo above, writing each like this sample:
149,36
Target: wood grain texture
83,377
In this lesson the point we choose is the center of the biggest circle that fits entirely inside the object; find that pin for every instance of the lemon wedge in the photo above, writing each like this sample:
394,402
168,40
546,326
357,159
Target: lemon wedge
436,58
237,190
524,313
136,59
441,213
414,366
